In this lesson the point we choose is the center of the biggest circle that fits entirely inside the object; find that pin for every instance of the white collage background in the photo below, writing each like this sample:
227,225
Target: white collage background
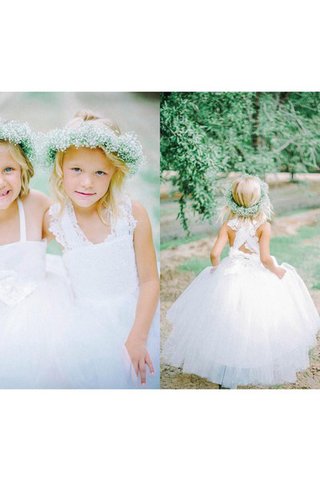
138,46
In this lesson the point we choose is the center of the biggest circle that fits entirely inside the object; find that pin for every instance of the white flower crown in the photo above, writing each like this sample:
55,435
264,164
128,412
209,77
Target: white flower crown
127,147
251,211
19,134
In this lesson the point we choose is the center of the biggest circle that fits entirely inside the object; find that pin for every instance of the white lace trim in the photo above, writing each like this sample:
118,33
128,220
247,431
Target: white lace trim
81,237
55,225
69,234
127,210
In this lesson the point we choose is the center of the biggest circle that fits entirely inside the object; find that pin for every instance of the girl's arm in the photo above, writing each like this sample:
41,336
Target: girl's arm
218,246
38,204
148,292
265,257
45,226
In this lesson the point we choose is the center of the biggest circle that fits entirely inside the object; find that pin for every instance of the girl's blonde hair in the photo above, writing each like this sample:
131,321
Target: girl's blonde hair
26,166
249,199
109,200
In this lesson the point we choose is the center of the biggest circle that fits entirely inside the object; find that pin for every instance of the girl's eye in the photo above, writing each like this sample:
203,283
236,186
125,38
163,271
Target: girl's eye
76,169
100,173
8,170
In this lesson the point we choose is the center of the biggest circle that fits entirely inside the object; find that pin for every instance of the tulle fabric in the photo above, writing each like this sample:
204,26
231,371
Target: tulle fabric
33,324
97,356
241,325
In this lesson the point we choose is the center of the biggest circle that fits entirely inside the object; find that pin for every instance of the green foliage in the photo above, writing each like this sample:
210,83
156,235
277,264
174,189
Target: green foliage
205,134
185,149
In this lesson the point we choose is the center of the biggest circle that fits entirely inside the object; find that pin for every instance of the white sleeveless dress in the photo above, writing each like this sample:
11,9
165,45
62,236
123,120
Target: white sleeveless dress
34,308
240,324
105,285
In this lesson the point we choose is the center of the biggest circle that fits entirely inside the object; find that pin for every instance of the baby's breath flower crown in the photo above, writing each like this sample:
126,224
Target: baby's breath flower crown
247,212
19,134
126,146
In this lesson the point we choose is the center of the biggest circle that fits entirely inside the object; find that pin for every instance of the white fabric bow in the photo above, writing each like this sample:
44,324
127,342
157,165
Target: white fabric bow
11,291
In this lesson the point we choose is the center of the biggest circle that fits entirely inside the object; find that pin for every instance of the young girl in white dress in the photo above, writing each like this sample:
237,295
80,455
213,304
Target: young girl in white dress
33,302
245,320
108,254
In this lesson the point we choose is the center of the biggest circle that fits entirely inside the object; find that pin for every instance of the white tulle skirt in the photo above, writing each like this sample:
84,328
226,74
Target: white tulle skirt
242,325
96,356
33,332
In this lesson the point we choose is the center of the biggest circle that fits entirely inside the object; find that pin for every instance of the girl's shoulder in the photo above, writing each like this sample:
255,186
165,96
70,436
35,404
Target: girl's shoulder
138,210
224,227
137,216
264,227
133,208
36,201
252,225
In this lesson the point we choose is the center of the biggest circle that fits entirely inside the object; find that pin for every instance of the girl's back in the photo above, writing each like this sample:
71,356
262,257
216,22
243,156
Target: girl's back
244,235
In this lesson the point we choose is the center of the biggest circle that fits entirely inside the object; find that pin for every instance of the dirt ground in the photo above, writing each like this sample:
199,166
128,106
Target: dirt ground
174,281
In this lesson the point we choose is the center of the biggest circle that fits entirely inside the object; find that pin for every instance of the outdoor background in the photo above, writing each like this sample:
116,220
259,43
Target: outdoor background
206,138
138,112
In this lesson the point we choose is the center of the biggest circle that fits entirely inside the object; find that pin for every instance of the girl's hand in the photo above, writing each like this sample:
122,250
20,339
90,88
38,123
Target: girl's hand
281,272
213,269
140,358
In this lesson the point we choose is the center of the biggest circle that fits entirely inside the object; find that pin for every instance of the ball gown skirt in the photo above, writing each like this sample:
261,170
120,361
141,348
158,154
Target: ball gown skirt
242,325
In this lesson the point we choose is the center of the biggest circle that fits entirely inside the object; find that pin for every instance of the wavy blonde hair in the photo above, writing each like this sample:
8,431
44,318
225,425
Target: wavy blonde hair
26,166
109,200
246,192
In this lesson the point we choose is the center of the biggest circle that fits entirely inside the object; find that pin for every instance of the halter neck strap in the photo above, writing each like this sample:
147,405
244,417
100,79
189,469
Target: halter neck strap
22,220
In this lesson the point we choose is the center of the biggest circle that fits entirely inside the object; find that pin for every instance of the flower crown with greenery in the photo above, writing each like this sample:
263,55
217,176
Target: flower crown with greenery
126,146
240,210
19,134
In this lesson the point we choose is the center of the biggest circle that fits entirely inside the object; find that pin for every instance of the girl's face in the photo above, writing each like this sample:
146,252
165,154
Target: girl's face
10,178
86,175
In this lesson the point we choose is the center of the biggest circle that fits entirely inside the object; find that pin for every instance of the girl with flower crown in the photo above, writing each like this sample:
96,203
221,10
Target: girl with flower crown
245,320
108,254
31,320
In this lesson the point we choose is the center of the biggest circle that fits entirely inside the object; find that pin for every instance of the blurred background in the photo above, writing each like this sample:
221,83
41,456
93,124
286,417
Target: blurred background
208,138
138,112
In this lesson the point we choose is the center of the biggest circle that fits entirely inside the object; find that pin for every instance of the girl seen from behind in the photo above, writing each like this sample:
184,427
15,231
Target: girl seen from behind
245,320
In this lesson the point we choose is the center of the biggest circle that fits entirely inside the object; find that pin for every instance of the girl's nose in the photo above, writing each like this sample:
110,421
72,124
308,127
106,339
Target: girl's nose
86,180
2,181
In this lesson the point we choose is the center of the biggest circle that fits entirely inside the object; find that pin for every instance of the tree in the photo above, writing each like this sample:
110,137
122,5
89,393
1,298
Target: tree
206,134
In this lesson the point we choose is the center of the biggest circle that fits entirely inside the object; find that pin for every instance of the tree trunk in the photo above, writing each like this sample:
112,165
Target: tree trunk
256,139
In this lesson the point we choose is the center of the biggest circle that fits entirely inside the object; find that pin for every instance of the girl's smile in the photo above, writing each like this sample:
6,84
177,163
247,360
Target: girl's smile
10,178
85,194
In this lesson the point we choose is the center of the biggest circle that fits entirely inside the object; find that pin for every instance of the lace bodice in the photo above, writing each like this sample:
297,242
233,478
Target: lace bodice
22,266
245,234
98,271
68,233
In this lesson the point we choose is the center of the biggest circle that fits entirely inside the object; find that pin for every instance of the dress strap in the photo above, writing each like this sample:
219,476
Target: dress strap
22,220
251,226
127,223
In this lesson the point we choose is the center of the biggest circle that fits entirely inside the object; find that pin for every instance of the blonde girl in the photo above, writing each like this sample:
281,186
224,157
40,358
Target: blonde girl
108,254
245,320
27,310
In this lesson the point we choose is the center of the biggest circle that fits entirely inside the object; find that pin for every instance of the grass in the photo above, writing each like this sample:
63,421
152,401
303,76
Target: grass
195,265
181,241
302,251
